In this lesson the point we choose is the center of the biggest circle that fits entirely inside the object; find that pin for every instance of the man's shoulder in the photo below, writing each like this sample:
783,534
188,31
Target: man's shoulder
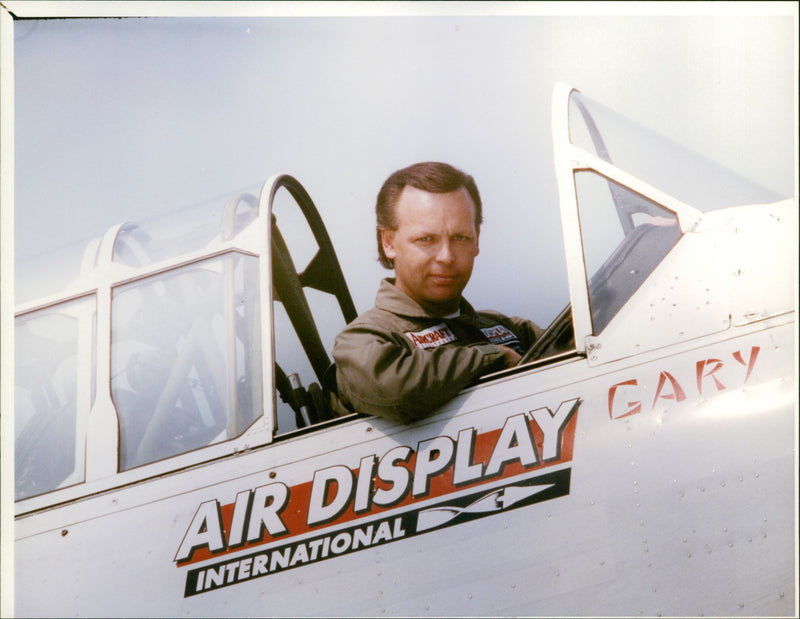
393,311
383,319
373,316
490,315
486,318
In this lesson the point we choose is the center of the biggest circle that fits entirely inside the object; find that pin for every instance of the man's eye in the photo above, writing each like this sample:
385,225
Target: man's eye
461,237
424,239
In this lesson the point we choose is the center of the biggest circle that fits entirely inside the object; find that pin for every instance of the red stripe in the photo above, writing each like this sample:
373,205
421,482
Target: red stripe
295,514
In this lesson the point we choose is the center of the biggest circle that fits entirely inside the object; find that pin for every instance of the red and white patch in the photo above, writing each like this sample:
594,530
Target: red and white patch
432,336
499,334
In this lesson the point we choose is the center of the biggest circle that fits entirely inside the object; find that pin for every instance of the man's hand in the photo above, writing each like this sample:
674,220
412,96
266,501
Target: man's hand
512,357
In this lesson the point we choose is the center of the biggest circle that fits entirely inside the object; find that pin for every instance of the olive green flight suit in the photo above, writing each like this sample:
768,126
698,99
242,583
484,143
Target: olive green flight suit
398,361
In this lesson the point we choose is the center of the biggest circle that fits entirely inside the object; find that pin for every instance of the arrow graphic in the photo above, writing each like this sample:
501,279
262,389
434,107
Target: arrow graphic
495,501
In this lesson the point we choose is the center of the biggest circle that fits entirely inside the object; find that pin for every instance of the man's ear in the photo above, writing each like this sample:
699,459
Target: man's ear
477,240
387,240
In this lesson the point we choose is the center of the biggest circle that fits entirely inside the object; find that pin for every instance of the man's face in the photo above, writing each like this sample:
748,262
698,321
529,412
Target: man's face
433,247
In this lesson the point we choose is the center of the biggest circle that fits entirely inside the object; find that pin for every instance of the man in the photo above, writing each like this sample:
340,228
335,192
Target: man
422,342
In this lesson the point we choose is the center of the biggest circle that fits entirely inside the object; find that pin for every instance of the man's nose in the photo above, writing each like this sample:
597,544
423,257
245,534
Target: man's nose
445,253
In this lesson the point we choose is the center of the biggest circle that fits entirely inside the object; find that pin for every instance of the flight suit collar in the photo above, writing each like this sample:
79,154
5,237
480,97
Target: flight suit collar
391,299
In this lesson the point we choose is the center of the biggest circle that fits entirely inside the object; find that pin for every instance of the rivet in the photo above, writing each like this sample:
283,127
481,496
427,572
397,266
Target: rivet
64,532
272,474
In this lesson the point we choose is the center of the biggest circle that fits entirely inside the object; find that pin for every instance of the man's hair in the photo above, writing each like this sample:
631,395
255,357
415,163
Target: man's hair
430,176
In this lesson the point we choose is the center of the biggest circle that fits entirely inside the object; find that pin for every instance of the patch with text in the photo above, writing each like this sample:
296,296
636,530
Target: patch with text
432,336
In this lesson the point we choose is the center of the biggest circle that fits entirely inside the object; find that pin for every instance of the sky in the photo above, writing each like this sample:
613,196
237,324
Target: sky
124,119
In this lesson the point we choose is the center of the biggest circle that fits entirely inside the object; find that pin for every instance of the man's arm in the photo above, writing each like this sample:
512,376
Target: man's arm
526,329
512,357
379,376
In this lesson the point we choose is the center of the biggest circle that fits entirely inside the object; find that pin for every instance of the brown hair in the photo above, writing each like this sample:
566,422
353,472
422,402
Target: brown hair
430,176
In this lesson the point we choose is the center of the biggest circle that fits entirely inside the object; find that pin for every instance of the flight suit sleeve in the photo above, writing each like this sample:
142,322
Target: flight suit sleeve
380,376
528,330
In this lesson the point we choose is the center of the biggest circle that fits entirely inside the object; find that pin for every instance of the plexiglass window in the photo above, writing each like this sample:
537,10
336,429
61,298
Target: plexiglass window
186,358
53,392
185,230
625,236
658,161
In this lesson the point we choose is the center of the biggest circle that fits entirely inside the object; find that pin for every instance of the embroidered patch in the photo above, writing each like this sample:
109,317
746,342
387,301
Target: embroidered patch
499,334
432,336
